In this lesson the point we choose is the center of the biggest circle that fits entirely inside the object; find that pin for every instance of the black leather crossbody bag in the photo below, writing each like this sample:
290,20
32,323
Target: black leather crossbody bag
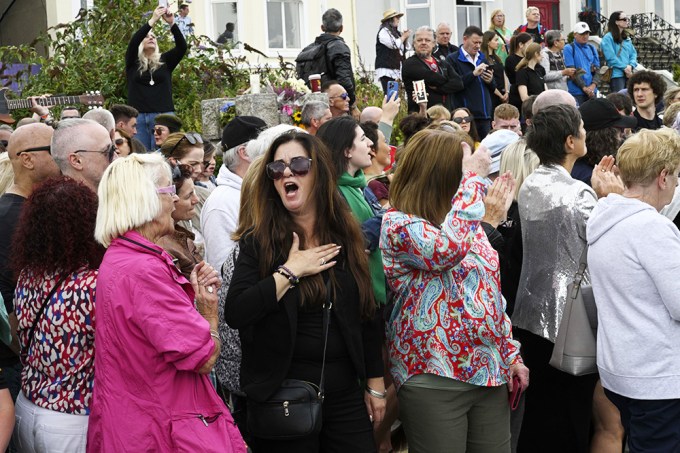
294,410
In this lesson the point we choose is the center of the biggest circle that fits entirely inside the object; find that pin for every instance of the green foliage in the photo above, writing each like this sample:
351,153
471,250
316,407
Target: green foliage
89,54
676,72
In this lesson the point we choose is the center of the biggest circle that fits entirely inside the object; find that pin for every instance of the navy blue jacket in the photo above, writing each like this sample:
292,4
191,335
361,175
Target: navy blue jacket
476,95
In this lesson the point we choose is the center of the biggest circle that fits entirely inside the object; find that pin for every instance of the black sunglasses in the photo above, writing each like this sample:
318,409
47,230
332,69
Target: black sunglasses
462,119
36,149
343,96
299,166
192,137
119,141
4,143
109,152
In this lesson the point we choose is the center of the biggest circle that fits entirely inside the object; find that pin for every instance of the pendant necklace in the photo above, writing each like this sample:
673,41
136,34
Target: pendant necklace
151,82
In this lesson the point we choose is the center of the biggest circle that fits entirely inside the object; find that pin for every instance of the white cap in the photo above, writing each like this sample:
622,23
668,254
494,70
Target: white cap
496,142
580,28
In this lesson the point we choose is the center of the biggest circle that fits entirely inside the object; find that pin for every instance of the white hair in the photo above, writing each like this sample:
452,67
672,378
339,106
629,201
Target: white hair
66,139
258,146
103,117
127,195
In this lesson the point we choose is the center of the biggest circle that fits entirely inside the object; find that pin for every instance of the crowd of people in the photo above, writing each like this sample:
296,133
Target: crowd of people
322,284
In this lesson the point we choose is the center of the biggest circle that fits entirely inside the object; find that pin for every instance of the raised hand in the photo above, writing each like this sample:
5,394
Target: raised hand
477,163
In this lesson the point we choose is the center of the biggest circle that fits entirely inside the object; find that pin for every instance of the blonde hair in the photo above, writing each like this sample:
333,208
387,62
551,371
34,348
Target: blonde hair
428,174
530,52
506,112
530,10
150,63
438,113
669,95
519,160
127,195
492,26
643,156
6,173
671,114
247,216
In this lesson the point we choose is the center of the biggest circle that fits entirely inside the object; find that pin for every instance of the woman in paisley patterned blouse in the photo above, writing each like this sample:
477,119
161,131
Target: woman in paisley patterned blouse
57,257
450,341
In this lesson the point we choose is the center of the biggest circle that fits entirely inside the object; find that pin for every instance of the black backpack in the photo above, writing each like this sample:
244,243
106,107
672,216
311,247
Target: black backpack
312,60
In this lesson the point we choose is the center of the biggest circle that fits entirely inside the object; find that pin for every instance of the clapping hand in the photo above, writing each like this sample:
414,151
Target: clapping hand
204,280
605,178
498,199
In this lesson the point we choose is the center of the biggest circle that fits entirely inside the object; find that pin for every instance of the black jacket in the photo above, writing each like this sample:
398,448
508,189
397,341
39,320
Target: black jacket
268,328
339,62
441,52
439,85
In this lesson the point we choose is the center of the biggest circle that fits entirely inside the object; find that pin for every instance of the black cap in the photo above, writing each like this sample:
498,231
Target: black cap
240,130
600,113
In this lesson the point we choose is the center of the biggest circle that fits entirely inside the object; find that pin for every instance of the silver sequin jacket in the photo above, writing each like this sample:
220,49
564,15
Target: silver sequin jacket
553,209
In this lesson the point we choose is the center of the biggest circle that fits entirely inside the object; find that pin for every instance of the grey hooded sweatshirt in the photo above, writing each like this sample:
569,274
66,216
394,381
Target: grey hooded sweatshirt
634,262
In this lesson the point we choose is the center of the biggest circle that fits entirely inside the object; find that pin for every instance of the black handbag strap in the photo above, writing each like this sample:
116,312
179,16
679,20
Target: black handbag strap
40,312
326,324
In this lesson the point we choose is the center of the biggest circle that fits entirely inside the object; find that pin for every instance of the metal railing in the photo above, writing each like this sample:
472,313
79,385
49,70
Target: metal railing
658,38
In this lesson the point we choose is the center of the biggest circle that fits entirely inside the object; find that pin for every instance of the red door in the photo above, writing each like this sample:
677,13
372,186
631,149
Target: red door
550,13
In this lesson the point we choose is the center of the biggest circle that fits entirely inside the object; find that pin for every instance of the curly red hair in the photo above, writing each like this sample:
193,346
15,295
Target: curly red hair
56,229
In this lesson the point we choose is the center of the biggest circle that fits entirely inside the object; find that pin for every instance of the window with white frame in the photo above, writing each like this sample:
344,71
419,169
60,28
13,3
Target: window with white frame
468,13
225,21
417,13
284,24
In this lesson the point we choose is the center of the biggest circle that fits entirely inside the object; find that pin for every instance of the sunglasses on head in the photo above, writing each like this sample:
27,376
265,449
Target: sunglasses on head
192,137
109,152
462,119
299,166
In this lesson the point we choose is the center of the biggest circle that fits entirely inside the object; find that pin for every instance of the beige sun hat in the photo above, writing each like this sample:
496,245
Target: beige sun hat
389,14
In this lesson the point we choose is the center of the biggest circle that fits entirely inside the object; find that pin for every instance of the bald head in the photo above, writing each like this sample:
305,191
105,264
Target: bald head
81,149
371,114
553,97
29,151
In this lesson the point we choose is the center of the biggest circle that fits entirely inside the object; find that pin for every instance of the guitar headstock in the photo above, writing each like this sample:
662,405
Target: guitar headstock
92,99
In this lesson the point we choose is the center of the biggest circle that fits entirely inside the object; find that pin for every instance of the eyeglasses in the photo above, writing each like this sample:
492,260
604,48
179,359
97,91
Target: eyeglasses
172,190
499,15
343,96
36,149
299,166
192,137
625,19
4,143
462,119
159,130
119,141
109,151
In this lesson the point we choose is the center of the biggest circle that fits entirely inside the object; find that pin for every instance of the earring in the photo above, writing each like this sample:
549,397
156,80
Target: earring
349,156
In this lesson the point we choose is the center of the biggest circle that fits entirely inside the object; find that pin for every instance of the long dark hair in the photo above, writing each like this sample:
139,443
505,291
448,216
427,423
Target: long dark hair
335,223
488,52
56,229
338,135
614,29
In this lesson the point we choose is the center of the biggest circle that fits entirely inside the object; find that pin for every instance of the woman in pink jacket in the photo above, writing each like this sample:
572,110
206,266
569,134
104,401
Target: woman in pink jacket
154,348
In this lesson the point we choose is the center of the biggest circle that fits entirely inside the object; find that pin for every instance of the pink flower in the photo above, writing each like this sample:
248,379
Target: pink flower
287,109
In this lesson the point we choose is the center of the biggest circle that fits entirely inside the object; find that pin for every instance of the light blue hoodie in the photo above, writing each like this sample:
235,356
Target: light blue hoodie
634,262
618,60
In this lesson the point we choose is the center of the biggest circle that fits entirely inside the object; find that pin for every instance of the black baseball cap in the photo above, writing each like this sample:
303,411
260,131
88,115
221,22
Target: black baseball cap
600,113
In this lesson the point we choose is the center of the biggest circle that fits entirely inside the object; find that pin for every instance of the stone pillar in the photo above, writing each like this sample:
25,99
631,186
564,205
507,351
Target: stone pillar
261,105
210,117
